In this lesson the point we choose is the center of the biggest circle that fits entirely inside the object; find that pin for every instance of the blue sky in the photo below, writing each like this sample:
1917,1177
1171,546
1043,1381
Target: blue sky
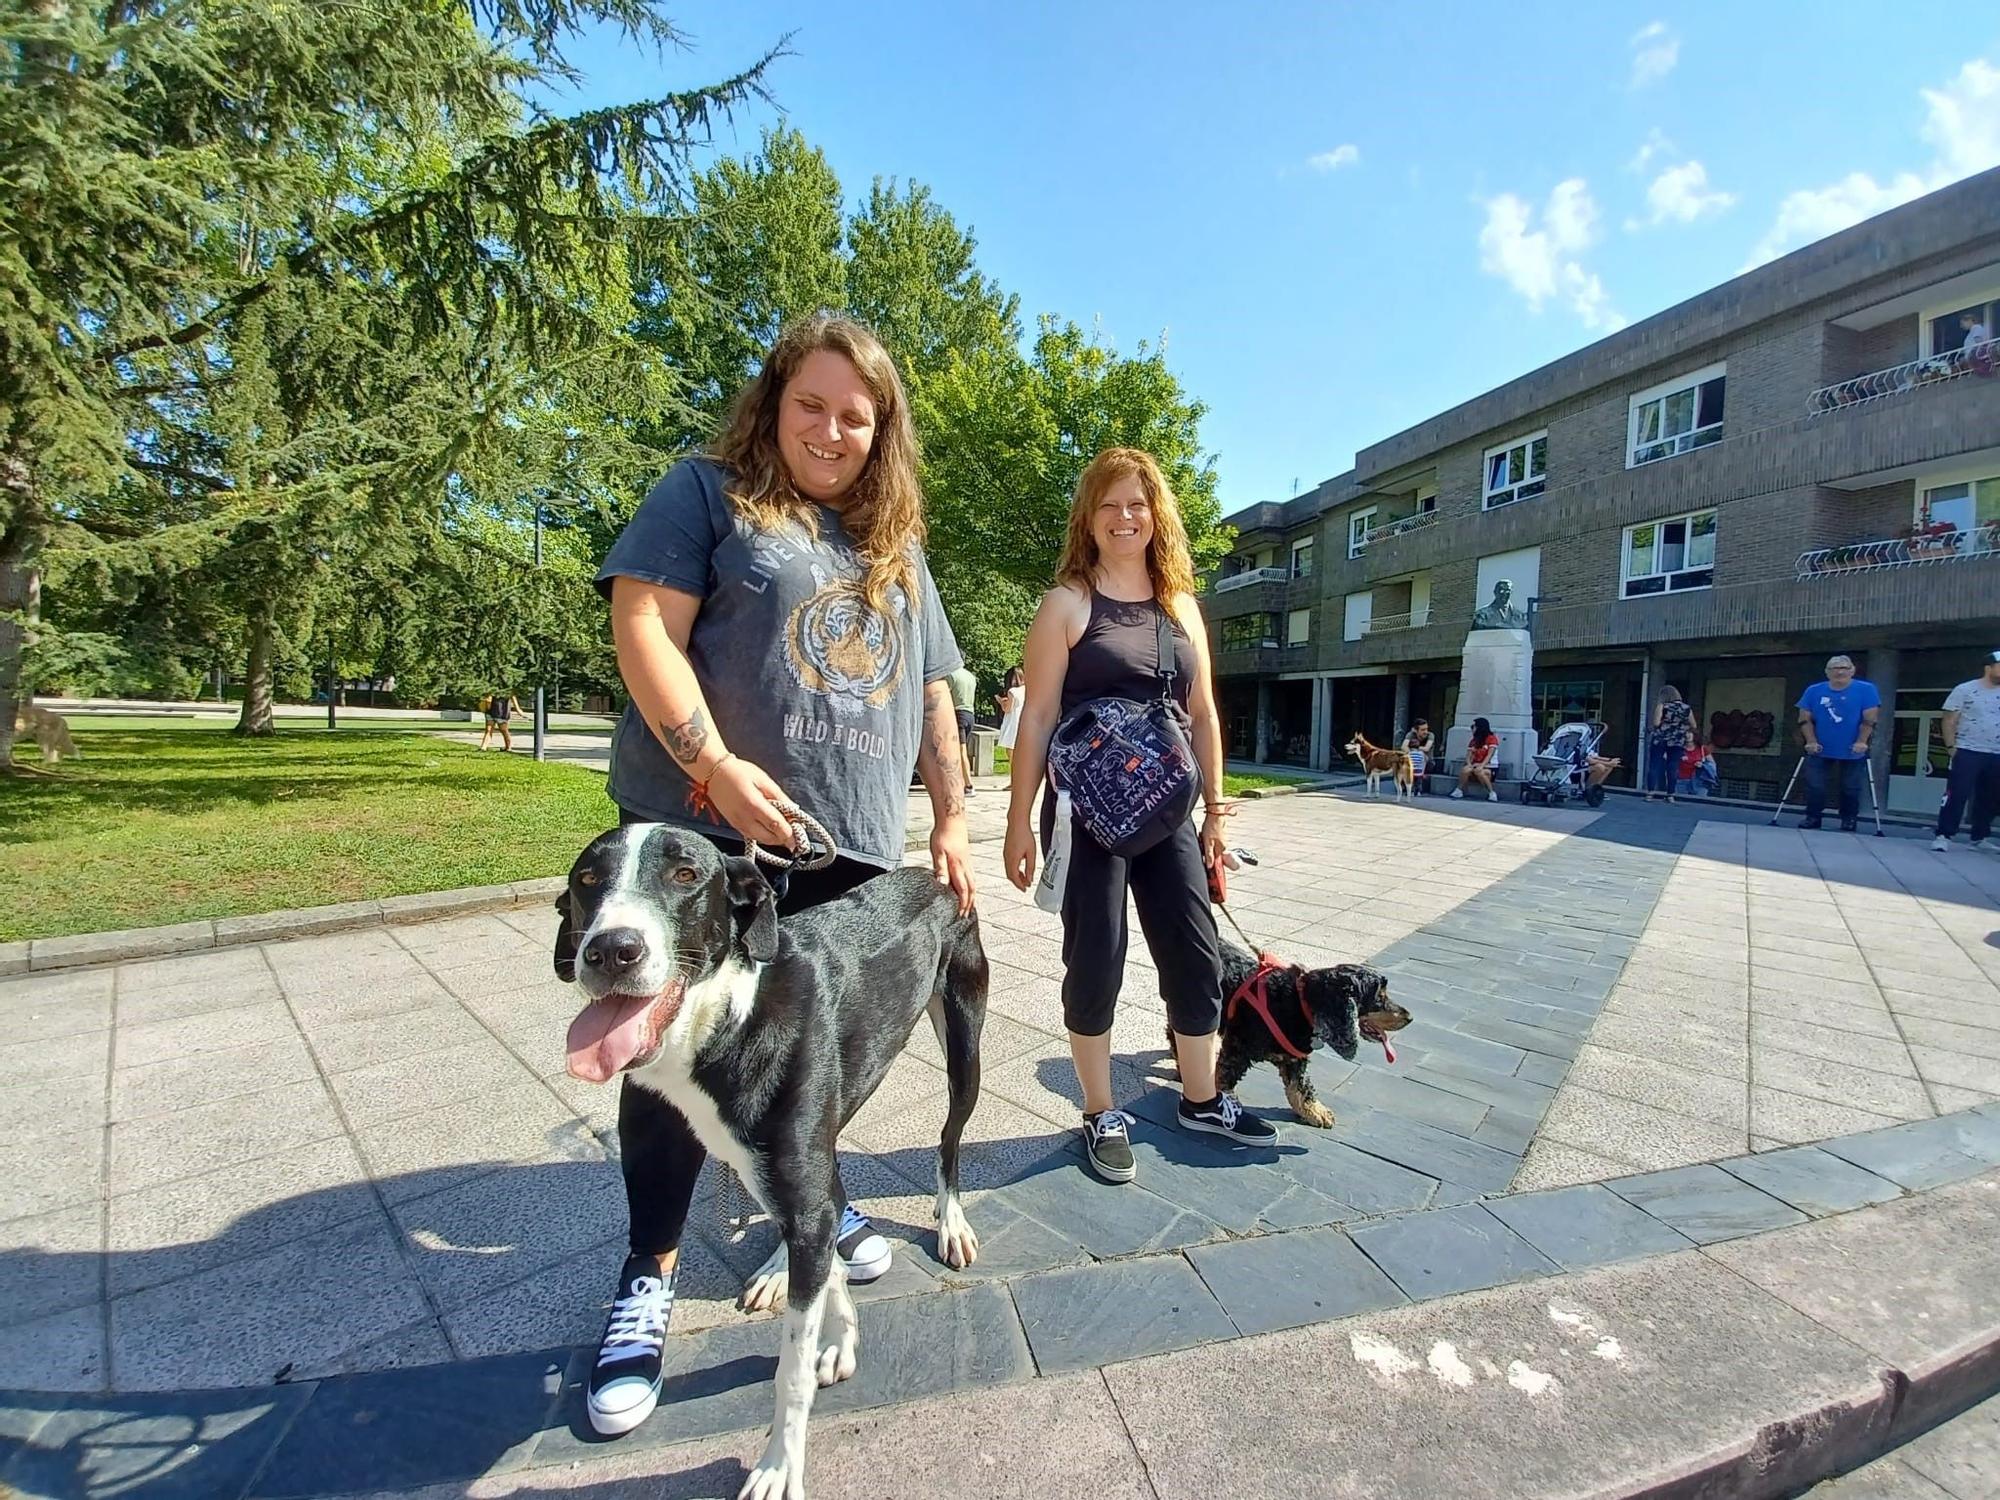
1345,218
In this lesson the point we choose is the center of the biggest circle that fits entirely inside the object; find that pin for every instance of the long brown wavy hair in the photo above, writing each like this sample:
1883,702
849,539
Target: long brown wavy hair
1168,560
884,512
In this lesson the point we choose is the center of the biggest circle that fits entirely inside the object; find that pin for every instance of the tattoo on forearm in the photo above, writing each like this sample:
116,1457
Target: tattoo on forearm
685,742
939,750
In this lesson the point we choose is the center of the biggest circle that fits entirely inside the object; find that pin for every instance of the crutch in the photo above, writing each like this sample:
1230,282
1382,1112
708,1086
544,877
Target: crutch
1786,795
1874,797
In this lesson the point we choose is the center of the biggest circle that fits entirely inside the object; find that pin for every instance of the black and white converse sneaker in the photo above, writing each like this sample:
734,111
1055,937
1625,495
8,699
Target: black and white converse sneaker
625,1385
864,1252
1222,1115
1107,1141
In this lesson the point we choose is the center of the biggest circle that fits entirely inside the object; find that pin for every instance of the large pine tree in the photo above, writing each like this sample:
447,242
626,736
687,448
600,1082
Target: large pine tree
276,275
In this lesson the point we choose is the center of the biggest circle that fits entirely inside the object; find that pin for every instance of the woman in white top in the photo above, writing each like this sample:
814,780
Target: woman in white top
1012,696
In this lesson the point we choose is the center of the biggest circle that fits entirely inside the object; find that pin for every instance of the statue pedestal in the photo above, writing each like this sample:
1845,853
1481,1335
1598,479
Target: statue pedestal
1494,684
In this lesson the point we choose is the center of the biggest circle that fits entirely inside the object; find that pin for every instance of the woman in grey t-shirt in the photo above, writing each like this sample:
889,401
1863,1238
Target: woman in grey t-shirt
782,640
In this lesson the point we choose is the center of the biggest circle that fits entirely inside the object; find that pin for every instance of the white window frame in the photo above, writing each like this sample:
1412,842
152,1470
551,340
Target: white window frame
1971,478
1300,544
1989,296
1357,537
1507,494
1625,575
1299,627
1679,443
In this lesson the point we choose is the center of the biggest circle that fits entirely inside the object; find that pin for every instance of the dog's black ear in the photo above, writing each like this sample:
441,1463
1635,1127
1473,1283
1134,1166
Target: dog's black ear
754,906
1367,989
565,954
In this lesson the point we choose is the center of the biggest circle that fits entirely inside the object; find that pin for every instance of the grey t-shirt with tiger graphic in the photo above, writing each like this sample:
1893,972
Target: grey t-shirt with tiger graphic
801,676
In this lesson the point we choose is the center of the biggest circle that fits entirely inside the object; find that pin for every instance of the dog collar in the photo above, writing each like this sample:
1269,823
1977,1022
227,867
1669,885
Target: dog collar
1253,992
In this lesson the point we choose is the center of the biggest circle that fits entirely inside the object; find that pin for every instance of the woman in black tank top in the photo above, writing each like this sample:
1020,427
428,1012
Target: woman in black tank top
1096,635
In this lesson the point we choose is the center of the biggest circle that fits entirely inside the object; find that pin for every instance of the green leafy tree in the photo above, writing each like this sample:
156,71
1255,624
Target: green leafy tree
210,316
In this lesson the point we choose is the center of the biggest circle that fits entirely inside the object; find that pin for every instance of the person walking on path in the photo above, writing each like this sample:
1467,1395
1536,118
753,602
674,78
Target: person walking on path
1011,700
964,687
1671,734
1837,719
1125,560
1971,727
782,641
500,711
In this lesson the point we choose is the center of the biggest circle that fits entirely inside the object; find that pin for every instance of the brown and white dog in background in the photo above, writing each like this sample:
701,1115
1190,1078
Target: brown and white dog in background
1378,763
50,730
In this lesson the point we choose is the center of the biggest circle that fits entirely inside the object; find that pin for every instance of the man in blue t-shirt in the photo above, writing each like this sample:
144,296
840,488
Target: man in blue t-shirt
1837,719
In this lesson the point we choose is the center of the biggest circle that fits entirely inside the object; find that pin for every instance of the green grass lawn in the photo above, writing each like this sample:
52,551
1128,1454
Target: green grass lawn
168,820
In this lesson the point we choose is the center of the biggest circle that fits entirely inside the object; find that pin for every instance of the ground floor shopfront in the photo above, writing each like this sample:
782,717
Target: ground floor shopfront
1743,694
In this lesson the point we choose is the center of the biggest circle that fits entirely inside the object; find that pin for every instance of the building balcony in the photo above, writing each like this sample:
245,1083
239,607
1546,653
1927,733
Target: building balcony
1416,619
1981,360
1248,577
1903,552
1388,531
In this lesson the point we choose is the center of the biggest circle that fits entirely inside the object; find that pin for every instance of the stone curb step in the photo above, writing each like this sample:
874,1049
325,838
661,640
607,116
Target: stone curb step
38,955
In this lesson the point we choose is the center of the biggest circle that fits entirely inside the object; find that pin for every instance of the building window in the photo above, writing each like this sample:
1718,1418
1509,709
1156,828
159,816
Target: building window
1519,471
1245,632
1941,333
1358,523
1427,499
1677,417
1665,557
1302,557
1560,703
1967,504
1298,627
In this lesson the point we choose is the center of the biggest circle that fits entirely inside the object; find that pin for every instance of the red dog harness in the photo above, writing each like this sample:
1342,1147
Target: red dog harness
1253,992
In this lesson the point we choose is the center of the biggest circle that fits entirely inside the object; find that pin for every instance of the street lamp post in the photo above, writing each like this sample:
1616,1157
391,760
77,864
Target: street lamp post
541,706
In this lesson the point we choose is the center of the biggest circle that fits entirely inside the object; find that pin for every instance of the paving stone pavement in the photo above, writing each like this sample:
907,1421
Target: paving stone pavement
361,1151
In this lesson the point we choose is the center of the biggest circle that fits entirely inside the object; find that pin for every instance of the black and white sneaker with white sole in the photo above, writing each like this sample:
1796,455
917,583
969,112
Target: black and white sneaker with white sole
1222,1115
625,1384
864,1252
1107,1141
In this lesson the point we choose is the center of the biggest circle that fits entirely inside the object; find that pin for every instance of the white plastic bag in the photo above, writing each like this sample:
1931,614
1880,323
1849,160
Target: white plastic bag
1055,869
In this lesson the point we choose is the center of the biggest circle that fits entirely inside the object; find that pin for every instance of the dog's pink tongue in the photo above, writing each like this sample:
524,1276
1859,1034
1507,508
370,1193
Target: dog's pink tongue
608,1034
1388,1052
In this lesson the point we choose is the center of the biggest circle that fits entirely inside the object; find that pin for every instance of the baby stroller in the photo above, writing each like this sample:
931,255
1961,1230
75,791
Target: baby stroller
1562,771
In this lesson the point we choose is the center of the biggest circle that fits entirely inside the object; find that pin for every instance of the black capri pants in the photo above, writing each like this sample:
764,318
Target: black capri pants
1170,888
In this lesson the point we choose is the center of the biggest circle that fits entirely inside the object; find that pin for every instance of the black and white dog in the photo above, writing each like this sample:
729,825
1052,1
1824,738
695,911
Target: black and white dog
768,1036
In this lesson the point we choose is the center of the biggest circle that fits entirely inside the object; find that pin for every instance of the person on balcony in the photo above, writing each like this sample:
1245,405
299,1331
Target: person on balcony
1977,347
1837,719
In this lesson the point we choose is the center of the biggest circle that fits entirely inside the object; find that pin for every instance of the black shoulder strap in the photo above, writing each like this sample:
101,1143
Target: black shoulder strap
1165,653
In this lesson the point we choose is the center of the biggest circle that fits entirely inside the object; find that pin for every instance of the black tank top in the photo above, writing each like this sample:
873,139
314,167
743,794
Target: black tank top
1118,654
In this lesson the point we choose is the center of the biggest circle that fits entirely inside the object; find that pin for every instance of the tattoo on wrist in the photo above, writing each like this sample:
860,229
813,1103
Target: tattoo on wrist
685,742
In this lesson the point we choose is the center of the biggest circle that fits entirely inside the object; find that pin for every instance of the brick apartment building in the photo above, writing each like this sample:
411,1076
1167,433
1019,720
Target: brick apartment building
1801,461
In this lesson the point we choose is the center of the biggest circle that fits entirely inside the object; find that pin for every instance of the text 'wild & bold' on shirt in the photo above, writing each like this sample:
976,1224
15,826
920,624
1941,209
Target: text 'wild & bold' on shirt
801,676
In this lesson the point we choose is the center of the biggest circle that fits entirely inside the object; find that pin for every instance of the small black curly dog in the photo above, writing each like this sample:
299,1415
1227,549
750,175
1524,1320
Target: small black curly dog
1338,1006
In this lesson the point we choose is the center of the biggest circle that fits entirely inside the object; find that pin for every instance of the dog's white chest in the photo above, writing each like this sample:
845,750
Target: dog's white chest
723,998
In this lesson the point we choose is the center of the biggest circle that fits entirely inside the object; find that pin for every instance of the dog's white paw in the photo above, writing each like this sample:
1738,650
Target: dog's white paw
838,1361
765,1290
772,1481
958,1245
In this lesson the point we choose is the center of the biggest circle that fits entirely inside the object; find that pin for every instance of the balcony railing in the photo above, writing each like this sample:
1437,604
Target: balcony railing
1901,552
1247,577
1980,359
1389,530
1416,619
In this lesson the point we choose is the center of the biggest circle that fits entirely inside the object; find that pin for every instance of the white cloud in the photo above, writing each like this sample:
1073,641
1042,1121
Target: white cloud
1961,125
1541,263
1681,195
1655,50
1656,144
1332,161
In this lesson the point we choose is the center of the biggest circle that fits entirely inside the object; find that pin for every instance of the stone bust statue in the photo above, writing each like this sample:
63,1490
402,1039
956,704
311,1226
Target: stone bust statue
1501,613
